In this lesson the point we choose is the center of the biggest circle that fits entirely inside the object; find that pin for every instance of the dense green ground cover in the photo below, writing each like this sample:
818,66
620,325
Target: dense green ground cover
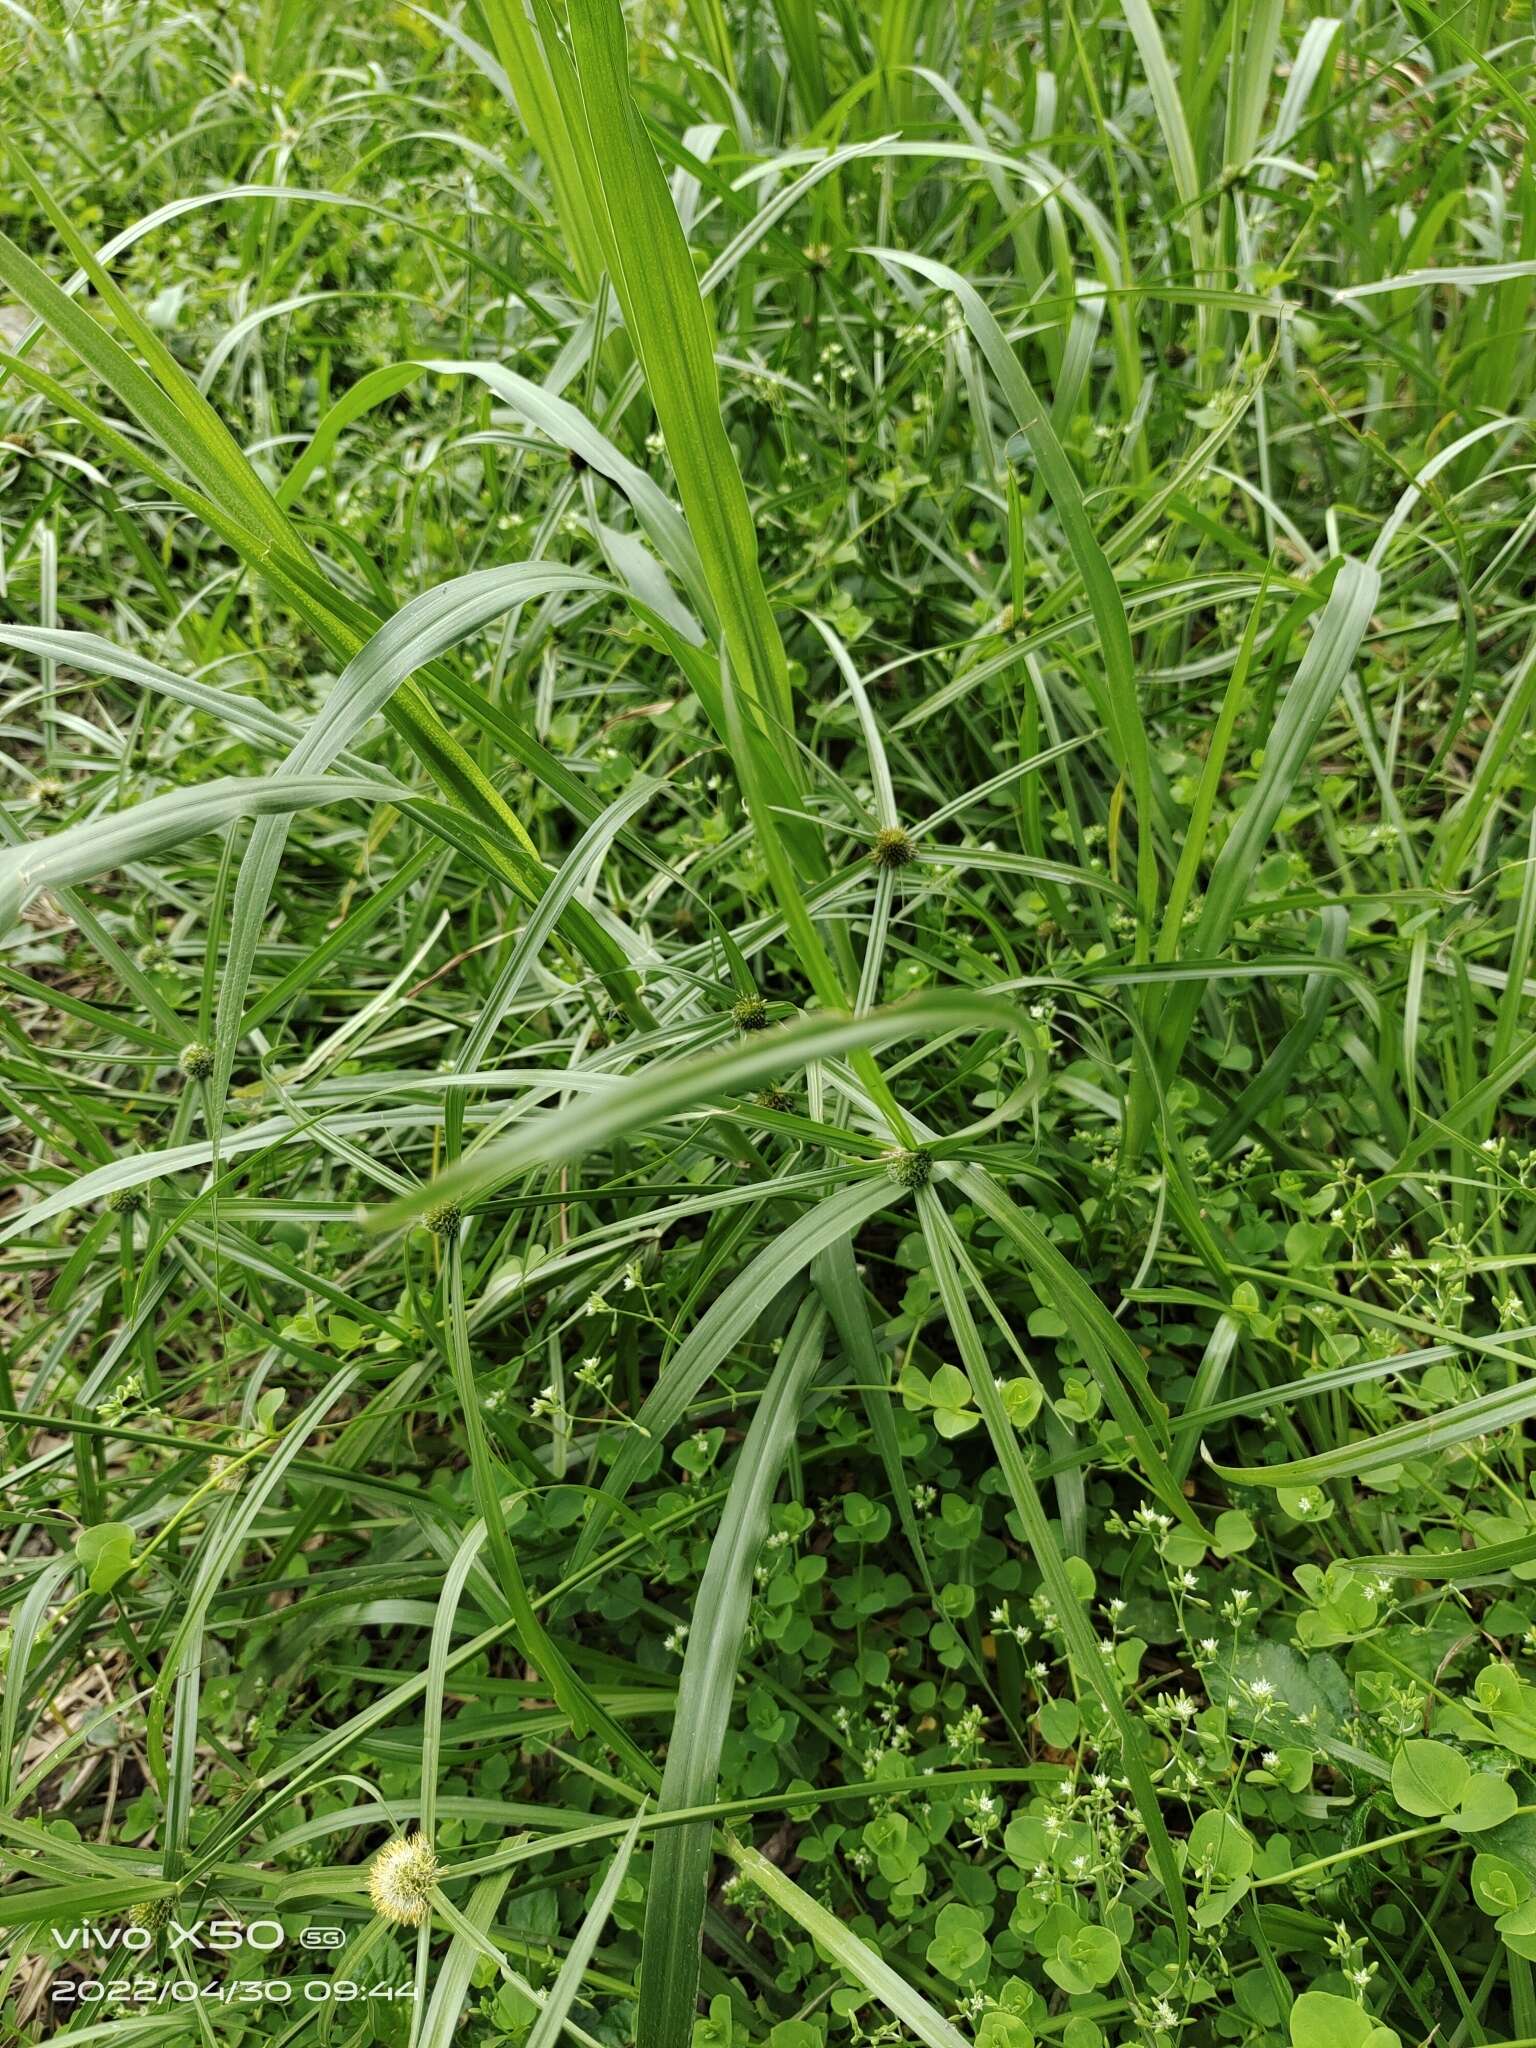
767,889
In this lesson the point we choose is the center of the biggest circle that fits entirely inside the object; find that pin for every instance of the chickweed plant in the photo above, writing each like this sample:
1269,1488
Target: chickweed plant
767,893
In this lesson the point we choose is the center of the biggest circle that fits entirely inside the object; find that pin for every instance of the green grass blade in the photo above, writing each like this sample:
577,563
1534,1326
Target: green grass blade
724,1325
1088,1662
1121,703
653,274
82,852
854,1956
562,1994
674,1920
1334,645
671,1089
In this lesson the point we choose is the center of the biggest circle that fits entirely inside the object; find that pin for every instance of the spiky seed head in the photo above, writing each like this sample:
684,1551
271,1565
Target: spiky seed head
893,847
197,1061
124,1201
443,1218
911,1170
154,1914
400,1880
750,1013
776,1099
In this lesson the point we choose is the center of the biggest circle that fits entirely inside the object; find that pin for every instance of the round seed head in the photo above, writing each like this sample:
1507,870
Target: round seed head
893,847
443,1218
124,1201
750,1014
911,1170
400,1880
776,1099
47,793
154,1914
197,1061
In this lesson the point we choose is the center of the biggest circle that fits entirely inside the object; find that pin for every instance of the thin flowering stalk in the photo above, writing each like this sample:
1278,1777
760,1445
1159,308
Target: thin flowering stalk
1323,1863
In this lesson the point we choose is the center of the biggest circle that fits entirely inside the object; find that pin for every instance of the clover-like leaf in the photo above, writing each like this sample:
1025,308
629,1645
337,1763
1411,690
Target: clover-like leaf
1429,1778
1084,1959
949,1391
1320,2019
1022,1398
1488,1802
1498,1885
1004,2030
958,1949
1059,1722
106,1553
1220,1847
1517,1928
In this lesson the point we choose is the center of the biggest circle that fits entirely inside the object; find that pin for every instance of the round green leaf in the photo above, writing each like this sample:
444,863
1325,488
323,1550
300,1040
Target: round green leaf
1487,1803
1220,1848
1429,1778
1321,2020
106,1553
1497,1885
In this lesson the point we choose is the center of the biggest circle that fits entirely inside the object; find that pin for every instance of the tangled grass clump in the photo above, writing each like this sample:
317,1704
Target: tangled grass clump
845,1432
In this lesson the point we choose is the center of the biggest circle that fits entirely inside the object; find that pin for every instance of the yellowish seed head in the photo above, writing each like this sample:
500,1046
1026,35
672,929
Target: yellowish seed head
400,1880
892,848
197,1061
910,1170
